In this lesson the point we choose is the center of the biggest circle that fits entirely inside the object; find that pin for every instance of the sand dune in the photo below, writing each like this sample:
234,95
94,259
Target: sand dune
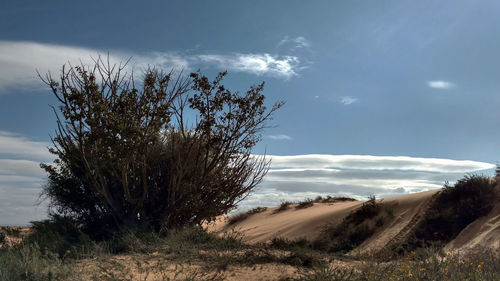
484,232
408,209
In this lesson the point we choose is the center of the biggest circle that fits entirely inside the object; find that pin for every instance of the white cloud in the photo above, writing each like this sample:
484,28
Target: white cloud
21,178
438,84
19,205
20,146
348,100
20,60
358,176
259,64
280,137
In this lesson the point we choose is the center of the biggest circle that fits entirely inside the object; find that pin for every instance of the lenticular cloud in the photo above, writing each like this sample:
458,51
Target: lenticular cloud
299,176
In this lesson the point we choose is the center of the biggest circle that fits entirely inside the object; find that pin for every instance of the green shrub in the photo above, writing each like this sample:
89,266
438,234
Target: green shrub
60,236
455,207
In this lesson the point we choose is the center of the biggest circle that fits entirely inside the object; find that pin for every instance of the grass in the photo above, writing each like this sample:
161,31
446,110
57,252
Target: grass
243,216
423,265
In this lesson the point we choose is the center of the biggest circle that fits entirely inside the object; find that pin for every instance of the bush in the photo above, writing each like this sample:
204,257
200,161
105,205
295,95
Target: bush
330,199
59,236
455,207
127,158
305,204
27,262
283,206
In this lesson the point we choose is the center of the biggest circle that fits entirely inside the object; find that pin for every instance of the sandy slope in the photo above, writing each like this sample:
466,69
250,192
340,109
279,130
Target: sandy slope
408,209
484,232
291,224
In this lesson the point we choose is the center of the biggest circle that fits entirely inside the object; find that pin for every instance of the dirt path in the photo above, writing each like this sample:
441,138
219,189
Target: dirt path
411,224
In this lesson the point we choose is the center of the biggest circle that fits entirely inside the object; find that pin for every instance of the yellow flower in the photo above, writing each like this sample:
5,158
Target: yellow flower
480,265
410,275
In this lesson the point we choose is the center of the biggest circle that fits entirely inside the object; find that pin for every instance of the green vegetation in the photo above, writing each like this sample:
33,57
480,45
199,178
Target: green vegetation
356,227
455,207
350,233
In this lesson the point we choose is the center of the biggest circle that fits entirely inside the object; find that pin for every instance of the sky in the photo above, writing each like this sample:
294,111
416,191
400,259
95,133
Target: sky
382,97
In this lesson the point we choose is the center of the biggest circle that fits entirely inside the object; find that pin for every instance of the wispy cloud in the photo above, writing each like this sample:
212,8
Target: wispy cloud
259,64
348,100
300,176
280,137
299,42
20,60
439,84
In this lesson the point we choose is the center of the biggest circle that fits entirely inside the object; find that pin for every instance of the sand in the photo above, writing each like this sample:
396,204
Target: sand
308,223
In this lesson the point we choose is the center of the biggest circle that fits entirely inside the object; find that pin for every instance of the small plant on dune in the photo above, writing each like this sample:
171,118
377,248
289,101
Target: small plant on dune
330,199
257,210
243,216
305,204
355,228
285,205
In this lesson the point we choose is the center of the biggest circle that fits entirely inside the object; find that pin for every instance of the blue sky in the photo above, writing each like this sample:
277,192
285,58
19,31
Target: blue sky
382,97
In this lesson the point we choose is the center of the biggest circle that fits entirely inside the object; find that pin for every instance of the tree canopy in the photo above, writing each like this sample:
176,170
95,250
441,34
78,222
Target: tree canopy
161,151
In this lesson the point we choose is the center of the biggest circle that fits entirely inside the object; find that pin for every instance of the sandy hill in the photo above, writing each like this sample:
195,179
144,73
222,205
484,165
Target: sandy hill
308,223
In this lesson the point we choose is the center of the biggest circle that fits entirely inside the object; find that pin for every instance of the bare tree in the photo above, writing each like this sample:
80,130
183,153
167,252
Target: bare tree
168,151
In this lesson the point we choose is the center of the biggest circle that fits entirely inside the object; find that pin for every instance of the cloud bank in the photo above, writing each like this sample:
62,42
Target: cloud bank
21,178
289,178
20,60
358,176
